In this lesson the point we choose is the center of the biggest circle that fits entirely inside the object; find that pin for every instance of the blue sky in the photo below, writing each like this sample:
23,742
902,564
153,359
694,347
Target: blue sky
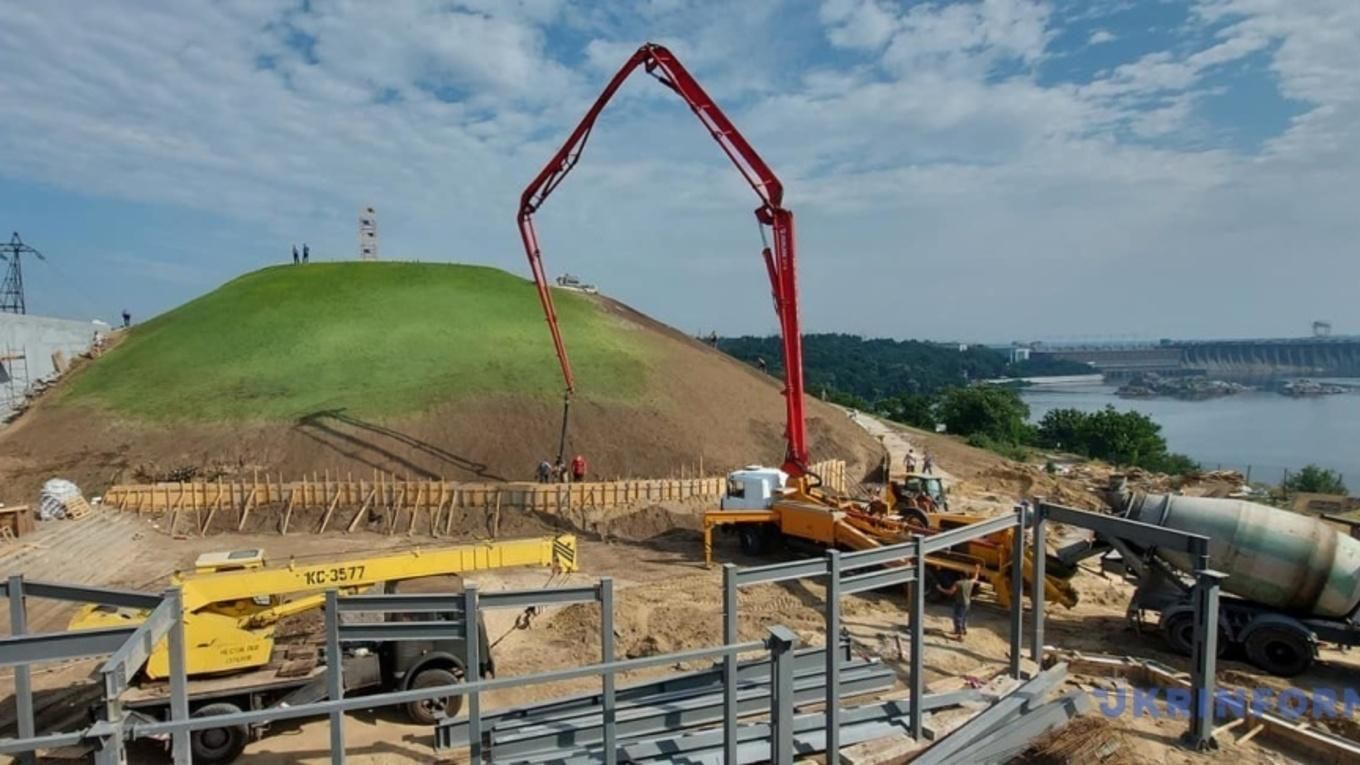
973,170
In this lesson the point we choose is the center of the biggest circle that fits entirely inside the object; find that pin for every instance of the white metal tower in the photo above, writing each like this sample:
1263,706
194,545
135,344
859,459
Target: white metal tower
368,234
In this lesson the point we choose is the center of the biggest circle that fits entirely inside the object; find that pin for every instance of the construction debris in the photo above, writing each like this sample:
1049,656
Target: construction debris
1084,741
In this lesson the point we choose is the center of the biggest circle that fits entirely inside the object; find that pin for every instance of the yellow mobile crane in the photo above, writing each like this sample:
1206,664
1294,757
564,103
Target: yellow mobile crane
233,603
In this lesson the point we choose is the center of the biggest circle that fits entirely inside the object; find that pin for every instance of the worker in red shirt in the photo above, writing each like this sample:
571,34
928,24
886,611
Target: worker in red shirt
578,469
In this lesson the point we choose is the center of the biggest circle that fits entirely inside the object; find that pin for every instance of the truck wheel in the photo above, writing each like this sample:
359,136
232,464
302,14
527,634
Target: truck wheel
1179,634
218,745
1280,651
754,539
428,712
914,516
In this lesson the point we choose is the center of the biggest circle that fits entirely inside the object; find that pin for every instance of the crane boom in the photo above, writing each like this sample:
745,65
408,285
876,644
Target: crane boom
779,256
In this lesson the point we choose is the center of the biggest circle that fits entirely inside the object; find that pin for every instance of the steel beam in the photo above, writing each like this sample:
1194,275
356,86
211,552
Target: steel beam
407,603
59,646
607,709
1025,697
30,743
108,596
730,663
675,745
780,572
1037,591
1114,526
877,556
1007,741
782,641
473,669
23,680
1017,591
397,698
808,662
335,679
584,593
384,631
1204,657
947,539
180,750
918,638
833,659
877,580
131,656
641,722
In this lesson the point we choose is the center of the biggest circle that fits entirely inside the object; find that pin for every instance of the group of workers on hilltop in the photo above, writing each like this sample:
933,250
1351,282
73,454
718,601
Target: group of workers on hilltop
557,472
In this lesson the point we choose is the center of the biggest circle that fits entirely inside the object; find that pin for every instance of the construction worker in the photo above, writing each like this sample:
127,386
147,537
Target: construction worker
306,252
544,472
578,469
295,255
962,592
928,464
559,472
909,461
127,319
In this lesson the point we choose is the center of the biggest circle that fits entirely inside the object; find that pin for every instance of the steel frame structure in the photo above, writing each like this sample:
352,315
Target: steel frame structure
892,565
774,740
1200,735
661,64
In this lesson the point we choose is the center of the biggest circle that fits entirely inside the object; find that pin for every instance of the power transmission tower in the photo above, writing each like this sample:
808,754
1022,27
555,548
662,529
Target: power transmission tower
12,291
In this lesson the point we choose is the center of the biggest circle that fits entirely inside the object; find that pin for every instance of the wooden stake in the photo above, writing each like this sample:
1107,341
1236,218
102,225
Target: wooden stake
496,516
363,510
415,511
1251,734
325,519
245,508
453,505
288,512
203,530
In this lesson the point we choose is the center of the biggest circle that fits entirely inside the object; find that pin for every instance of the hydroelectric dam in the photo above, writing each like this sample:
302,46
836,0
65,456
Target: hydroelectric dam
1242,360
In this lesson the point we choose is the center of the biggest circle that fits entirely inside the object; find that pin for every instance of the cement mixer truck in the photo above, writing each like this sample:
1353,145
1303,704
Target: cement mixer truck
1293,580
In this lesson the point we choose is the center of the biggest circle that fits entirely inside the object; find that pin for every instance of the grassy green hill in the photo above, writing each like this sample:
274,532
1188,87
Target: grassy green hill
372,338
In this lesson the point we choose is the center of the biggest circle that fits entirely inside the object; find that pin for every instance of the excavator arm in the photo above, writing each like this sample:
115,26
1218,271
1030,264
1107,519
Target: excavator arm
778,252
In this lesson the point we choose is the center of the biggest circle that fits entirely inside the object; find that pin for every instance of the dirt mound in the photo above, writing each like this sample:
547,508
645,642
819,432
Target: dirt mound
697,410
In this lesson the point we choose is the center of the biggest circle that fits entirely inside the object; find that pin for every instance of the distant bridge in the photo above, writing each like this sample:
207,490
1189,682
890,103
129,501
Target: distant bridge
1247,360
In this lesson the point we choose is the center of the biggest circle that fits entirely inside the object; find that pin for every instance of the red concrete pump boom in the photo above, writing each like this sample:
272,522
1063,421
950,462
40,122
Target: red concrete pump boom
779,259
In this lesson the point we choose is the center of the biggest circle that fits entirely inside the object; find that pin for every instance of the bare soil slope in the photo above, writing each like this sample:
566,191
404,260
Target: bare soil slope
698,407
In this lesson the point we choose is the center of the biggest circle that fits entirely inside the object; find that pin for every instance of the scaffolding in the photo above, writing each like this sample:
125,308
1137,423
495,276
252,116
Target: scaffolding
14,380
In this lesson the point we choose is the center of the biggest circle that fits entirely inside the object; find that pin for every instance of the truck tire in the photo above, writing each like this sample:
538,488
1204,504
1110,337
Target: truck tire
754,538
1279,650
428,712
914,516
218,745
1179,633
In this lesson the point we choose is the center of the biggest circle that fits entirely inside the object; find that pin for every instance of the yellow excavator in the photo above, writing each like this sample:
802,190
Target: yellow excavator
765,509
234,602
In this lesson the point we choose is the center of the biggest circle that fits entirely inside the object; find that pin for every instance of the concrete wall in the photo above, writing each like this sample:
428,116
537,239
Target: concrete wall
38,337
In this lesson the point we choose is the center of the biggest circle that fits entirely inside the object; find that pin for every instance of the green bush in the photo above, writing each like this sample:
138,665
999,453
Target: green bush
1011,451
997,413
1315,480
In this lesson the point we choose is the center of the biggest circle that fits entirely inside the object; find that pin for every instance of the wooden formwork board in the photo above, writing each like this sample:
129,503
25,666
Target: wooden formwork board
429,501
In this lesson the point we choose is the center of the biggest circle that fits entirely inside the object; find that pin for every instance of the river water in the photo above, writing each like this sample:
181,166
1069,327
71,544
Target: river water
1264,431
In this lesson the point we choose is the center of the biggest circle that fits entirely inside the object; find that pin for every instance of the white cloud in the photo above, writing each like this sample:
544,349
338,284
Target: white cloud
925,157
1101,36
